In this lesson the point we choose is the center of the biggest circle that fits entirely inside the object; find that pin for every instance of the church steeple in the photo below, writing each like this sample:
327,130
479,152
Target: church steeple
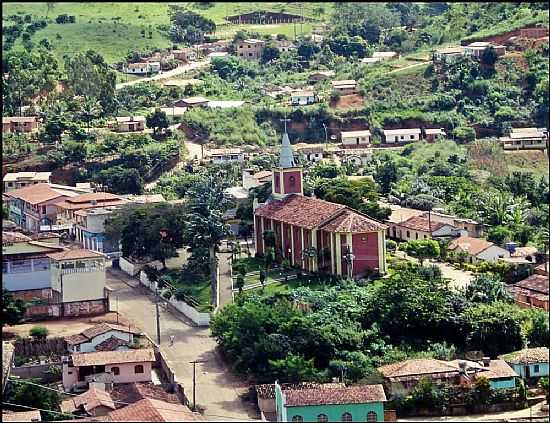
287,177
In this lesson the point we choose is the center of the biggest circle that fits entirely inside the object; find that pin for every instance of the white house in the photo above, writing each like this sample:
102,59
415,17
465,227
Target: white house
301,98
344,87
223,155
478,249
392,136
525,139
13,181
385,55
355,139
311,153
101,337
141,68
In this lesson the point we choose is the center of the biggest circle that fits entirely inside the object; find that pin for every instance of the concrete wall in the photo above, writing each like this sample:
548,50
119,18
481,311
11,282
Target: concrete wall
80,285
334,412
128,374
26,280
522,371
38,371
365,250
128,267
492,253
503,383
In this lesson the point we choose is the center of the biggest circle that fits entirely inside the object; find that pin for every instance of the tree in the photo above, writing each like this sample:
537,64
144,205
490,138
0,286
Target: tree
240,283
464,134
157,120
482,389
386,174
487,288
545,386
499,234
121,180
269,54
538,334
422,249
38,332
294,368
13,310
307,48
35,396
489,57
188,27
90,110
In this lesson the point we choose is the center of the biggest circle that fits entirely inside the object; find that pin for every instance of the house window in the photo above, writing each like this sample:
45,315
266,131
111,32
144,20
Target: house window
536,368
77,347
346,417
138,368
250,54
297,419
402,137
412,137
372,416
416,235
241,54
43,209
116,370
425,236
408,234
322,418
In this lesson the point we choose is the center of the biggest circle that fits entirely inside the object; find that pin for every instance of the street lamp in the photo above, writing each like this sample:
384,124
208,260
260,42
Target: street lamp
349,257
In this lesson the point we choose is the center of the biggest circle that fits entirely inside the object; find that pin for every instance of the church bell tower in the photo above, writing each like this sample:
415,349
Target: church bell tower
287,177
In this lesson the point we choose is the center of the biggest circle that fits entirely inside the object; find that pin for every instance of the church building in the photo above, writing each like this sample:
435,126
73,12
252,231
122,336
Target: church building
314,234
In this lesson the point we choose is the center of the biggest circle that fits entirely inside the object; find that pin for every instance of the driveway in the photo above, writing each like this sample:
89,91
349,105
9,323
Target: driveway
217,390
168,74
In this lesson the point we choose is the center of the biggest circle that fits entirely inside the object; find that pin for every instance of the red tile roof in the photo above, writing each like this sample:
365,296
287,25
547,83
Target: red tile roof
11,237
133,392
419,223
79,253
499,369
35,194
91,200
89,400
472,246
349,395
527,356
352,221
111,344
267,391
417,366
537,283
21,416
150,410
113,357
306,212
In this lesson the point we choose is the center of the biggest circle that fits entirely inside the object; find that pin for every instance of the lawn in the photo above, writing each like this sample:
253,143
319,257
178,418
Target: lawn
113,29
199,290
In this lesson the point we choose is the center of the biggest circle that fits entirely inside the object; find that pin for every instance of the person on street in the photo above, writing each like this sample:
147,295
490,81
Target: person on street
172,340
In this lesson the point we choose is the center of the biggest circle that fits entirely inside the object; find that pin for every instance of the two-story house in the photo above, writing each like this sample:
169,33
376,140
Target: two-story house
13,181
250,48
20,124
101,337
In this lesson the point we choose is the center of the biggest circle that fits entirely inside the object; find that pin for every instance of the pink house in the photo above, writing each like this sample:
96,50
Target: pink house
109,367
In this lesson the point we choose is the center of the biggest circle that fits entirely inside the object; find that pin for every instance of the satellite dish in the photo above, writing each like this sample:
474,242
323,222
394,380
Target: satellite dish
333,137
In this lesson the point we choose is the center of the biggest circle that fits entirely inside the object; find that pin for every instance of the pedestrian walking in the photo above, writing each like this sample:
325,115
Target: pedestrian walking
172,340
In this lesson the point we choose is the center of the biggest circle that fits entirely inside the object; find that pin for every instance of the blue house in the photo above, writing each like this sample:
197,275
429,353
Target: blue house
346,404
528,363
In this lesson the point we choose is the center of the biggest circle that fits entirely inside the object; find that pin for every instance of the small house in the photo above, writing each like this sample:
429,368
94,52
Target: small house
154,410
302,98
250,48
344,87
192,102
355,156
217,55
101,337
224,155
477,48
252,180
130,123
21,416
185,54
79,369
432,134
285,45
370,60
20,124
355,139
320,76
525,139
93,402
392,136
478,249
225,104
311,153
528,363
352,403
532,292
13,181
141,68
420,227
446,54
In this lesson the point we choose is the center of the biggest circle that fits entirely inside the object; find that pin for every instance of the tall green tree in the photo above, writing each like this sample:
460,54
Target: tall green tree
13,310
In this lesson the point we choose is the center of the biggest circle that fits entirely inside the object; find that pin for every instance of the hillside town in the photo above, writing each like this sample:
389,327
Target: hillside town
280,212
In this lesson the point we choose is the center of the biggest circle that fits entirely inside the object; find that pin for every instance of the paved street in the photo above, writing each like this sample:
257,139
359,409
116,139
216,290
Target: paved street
225,283
217,389
165,75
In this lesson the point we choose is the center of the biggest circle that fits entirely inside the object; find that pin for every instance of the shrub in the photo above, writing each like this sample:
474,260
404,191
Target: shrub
39,332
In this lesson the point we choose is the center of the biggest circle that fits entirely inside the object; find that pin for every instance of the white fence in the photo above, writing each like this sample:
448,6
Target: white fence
128,267
200,319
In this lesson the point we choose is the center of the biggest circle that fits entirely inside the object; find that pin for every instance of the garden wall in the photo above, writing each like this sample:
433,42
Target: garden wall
200,319
128,267
39,371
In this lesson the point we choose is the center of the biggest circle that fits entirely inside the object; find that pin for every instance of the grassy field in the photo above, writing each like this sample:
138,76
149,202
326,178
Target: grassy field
113,29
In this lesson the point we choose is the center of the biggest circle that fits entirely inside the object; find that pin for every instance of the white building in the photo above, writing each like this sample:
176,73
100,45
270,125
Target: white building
99,336
392,136
311,153
525,139
13,181
385,55
141,68
478,249
344,87
224,155
355,139
302,98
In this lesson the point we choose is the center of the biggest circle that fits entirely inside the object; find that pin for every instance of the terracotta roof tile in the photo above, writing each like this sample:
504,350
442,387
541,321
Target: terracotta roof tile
499,369
11,237
349,395
89,400
35,194
298,210
111,344
267,391
535,282
419,223
79,253
473,246
112,357
351,221
541,269
527,356
75,339
150,410
91,200
133,392
417,366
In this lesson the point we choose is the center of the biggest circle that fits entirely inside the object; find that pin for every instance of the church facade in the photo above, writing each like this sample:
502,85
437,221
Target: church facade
314,234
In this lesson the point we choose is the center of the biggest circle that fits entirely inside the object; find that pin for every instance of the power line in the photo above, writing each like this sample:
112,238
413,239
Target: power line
41,409
118,402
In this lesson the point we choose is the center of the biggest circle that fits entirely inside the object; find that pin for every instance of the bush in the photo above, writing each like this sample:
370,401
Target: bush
39,332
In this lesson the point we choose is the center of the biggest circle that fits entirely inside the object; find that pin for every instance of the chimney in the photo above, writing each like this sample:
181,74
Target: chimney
462,366
510,246
486,361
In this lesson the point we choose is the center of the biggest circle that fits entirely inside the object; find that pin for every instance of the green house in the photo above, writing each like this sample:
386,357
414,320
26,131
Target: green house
346,404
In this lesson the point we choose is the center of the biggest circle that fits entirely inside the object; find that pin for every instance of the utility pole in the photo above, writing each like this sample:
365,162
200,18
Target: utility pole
157,311
117,309
194,362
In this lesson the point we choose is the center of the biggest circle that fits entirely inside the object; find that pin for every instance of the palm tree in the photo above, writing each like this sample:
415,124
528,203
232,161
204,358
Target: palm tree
89,110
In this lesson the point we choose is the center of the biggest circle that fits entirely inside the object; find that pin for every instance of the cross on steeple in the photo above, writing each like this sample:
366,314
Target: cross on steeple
285,120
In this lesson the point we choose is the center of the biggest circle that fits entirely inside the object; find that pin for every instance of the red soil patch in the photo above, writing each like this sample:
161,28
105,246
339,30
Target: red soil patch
347,102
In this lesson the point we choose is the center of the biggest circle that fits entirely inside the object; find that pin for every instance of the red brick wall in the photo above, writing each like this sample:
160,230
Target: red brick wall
277,182
366,252
287,240
292,188
29,295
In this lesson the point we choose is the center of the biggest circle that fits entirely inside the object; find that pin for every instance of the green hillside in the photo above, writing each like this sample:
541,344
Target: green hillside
112,29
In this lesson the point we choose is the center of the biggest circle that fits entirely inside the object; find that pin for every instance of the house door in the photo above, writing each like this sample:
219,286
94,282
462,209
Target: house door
527,372
131,127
